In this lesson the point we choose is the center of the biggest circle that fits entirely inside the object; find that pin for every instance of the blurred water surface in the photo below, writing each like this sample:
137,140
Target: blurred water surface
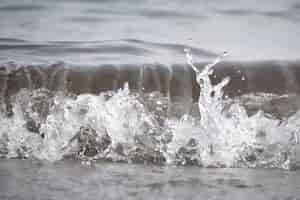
93,32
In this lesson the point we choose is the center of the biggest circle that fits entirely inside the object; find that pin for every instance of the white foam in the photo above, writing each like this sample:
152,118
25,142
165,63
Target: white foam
224,137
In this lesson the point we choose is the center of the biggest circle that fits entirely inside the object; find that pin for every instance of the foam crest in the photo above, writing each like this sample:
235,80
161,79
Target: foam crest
126,126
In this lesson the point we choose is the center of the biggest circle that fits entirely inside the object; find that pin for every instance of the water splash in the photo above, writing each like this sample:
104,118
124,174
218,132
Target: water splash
138,127
227,136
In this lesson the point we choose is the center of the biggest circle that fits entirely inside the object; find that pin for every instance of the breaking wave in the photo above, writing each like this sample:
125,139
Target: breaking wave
126,125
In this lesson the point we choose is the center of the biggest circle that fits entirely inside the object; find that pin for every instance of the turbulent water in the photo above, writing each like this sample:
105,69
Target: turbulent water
113,83
134,126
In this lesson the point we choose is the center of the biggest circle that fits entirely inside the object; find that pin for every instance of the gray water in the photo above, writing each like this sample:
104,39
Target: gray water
133,33
93,32
23,180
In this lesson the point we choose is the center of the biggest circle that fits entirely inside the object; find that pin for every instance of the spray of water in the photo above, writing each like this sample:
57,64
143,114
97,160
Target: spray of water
227,136
125,126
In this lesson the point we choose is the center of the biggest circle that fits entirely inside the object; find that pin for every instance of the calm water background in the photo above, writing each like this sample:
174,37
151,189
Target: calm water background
93,32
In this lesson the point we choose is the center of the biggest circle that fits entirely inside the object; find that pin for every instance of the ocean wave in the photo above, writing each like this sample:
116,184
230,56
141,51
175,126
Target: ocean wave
42,118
